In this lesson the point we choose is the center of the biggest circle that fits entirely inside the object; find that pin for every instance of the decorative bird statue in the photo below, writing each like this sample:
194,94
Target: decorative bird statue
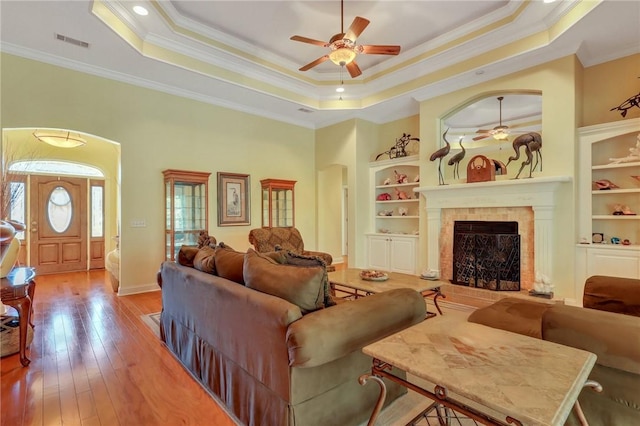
532,142
455,160
439,155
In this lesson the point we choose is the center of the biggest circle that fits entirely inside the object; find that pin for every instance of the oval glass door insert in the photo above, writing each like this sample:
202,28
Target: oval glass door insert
60,209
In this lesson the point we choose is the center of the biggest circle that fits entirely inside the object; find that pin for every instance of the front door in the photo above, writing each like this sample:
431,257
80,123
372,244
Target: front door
58,224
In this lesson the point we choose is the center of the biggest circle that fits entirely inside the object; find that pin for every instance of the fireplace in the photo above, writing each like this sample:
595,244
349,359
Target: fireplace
486,254
536,195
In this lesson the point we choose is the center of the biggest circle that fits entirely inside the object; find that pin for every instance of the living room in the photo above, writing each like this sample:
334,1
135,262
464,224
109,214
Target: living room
146,131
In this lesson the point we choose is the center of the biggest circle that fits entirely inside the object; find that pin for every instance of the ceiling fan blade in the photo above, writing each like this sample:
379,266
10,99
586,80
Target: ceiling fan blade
378,49
477,138
357,27
483,131
309,40
354,69
314,63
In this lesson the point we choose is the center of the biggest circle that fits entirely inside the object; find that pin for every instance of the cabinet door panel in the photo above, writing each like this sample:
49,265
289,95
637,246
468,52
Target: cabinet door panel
613,263
403,258
378,250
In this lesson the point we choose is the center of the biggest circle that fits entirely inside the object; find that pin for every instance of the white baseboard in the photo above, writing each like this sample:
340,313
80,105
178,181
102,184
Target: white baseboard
146,288
337,260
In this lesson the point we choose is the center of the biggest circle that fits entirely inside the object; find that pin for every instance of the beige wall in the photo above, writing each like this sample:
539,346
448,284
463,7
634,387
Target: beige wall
608,85
158,131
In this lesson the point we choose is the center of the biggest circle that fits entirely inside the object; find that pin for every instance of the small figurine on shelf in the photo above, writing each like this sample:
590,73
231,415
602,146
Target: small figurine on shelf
605,184
401,195
627,211
385,196
615,240
626,242
417,178
634,154
617,210
385,213
387,181
400,177
403,211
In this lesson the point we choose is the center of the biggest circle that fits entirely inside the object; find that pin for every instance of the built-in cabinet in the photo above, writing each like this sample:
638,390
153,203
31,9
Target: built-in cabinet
186,208
278,203
392,242
599,146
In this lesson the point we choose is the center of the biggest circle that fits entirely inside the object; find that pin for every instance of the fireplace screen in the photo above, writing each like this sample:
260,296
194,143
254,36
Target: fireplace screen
486,255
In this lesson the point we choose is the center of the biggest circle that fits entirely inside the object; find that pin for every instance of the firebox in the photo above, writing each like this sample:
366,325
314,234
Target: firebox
486,255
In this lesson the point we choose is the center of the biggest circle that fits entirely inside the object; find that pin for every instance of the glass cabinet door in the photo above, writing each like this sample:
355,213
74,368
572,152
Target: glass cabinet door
278,203
186,209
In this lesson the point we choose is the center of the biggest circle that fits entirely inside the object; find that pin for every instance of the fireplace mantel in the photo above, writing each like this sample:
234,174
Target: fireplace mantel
538,193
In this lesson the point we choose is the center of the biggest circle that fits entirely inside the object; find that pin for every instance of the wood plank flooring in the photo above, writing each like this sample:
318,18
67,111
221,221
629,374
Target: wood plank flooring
94,362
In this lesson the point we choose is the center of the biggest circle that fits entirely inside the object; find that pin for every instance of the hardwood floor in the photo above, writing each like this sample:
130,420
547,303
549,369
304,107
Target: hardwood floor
94,362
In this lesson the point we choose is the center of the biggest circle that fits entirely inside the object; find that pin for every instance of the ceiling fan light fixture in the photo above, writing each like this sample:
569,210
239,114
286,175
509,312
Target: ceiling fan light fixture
342,56
501,135
59,139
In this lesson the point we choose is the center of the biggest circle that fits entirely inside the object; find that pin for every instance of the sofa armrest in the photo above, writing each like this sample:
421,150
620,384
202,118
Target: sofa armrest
326,257
613,294
614,338
329,334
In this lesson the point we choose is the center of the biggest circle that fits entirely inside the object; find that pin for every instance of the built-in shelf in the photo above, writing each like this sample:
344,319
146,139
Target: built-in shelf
615,217
412,200
622,247
616,166
615,191
397,185
398,217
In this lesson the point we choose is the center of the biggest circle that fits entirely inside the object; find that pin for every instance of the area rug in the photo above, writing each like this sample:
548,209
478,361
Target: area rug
153,322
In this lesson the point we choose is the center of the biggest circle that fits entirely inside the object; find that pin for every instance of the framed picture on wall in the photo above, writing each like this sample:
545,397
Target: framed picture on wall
233,199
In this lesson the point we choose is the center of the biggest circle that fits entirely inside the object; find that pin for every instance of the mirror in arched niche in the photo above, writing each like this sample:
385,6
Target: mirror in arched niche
487,125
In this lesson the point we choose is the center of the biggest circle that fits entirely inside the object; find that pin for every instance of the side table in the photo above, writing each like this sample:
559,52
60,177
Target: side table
17,290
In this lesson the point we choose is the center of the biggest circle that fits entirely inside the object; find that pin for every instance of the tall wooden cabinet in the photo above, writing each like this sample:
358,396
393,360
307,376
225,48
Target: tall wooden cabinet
599,144
186,208
393,241
278,203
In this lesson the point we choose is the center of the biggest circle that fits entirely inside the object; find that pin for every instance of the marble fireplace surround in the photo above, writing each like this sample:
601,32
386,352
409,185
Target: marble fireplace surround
537,193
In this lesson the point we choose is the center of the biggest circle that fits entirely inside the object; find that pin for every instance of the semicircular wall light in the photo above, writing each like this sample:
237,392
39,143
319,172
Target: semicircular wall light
60,139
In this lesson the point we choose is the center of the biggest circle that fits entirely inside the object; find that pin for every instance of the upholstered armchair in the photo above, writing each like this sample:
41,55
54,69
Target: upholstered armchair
268,239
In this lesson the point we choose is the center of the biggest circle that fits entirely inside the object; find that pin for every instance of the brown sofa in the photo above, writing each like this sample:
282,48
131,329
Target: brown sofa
266,240
613,337
269,363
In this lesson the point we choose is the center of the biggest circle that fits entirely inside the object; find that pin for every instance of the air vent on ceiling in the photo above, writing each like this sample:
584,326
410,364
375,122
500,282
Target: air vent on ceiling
305,110
72,40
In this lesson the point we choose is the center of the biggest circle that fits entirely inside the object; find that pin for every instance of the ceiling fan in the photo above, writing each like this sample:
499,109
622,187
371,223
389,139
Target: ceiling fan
343,46
500,132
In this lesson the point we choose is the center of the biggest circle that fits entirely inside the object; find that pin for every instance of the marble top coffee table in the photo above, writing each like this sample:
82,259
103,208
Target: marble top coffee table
349,282
485,373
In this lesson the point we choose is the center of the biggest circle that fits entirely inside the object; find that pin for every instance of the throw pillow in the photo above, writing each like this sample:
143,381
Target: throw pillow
206,240
205,260
229,263
291,258
186,255
302,286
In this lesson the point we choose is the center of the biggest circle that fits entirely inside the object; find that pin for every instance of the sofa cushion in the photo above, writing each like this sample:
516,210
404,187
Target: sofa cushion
186,255
300,285
229,263
204,260
513,314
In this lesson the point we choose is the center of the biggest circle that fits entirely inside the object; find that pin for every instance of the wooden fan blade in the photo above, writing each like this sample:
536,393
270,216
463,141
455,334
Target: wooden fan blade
483,131
378,49
354,69
357,27
314,63
309,40
477,138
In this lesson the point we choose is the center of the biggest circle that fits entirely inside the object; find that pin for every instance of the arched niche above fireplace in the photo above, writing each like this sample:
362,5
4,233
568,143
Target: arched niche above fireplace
478,121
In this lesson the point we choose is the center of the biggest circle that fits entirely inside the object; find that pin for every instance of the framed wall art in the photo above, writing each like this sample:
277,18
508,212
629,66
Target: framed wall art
233,199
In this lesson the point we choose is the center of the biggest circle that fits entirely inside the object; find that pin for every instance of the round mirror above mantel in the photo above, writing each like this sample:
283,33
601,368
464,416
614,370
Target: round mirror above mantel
487,125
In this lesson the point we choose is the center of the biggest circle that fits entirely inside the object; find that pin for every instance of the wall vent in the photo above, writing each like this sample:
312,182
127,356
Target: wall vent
72,40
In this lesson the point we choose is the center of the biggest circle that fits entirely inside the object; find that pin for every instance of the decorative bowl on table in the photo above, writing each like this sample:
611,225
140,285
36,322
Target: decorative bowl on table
371,275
